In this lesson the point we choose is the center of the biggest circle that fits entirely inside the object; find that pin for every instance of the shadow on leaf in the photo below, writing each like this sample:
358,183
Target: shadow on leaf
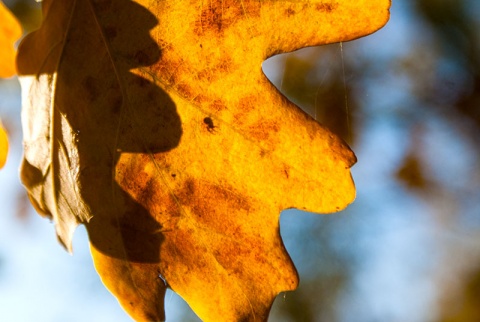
97,109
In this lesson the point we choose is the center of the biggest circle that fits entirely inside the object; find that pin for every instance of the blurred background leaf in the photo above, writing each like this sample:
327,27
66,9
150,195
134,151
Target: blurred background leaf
3,145
10,32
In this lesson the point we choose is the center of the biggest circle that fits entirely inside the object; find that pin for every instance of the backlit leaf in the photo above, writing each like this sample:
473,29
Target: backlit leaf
152,123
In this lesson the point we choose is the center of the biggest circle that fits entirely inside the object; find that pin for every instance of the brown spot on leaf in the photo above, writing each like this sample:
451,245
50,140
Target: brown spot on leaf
210,19
245,105
194,194
199,99
326,7
189,188
286,170
219,15
289,12
262,129
147,192
217,105
216,72
167,70
185,90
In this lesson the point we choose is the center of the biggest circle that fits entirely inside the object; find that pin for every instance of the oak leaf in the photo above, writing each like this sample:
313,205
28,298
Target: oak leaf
152,123
10,32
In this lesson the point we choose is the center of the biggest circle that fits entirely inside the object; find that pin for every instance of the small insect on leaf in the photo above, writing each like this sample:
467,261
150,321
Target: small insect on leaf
209,123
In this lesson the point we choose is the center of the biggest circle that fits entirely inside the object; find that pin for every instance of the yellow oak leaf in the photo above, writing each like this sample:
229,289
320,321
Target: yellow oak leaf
152,123
3,145
10,31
